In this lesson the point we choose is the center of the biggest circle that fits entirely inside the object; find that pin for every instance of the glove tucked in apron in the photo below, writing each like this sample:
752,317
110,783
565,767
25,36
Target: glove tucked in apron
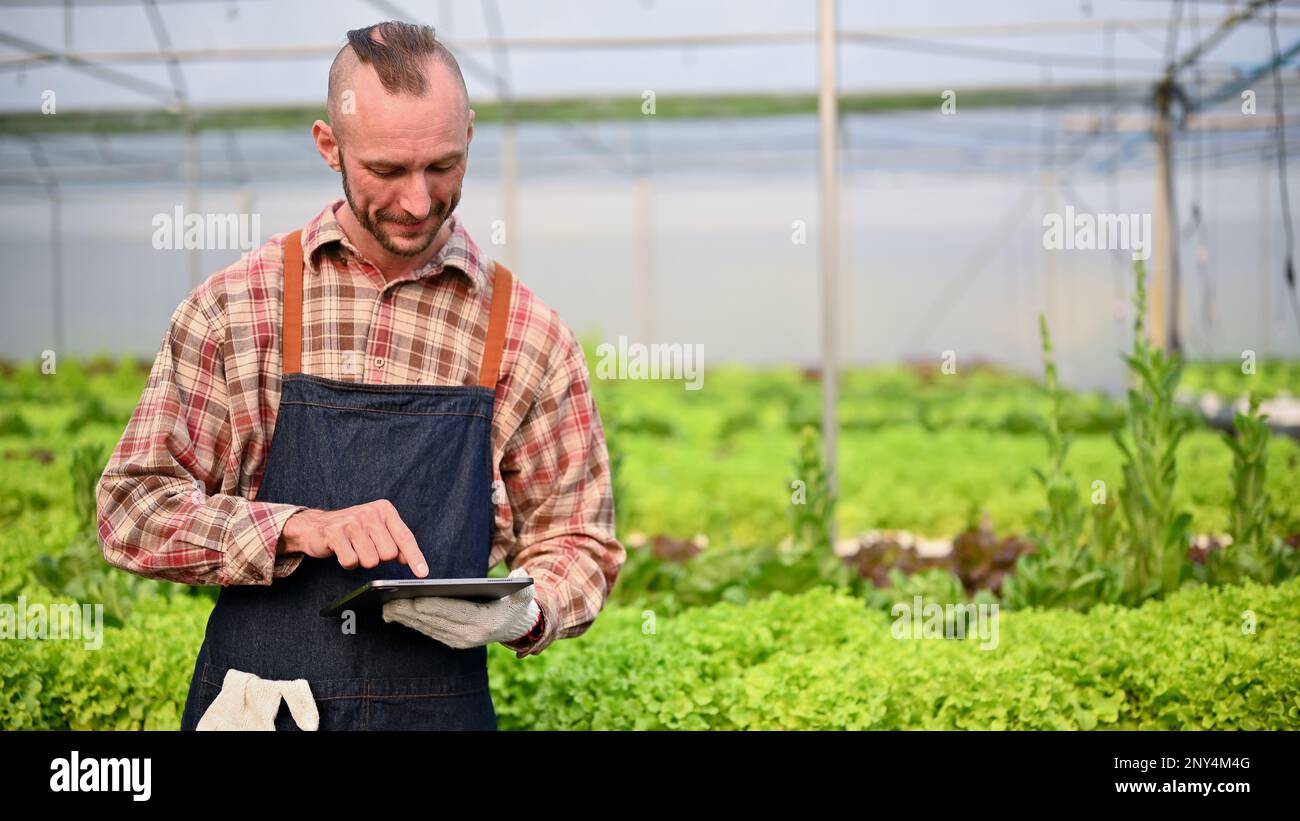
428,450
247,702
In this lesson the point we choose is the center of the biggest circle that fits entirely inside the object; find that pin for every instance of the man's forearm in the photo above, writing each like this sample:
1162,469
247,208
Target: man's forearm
155,515
159,528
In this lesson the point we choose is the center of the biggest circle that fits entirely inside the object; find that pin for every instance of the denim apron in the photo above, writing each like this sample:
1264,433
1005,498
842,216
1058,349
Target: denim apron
428,450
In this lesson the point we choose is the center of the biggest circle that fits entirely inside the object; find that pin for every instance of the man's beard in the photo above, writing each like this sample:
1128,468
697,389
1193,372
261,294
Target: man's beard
384,239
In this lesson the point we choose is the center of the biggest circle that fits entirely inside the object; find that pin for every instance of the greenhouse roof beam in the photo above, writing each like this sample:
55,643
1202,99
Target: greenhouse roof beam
41,54
907,37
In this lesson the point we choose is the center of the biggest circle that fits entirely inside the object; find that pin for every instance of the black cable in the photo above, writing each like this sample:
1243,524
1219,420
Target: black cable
1171,35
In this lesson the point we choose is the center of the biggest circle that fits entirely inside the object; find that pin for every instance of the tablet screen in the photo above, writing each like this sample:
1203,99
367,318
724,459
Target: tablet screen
375,593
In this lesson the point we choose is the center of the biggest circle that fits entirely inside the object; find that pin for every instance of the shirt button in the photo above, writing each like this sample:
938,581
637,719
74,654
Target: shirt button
379,362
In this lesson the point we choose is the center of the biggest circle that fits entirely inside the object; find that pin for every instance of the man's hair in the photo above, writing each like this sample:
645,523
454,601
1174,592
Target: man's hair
399,53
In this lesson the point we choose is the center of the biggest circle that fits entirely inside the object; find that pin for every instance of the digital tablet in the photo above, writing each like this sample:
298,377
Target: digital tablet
375,593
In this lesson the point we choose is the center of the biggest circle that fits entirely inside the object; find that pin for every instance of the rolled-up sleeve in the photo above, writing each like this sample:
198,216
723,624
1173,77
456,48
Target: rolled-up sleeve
556,473
158,515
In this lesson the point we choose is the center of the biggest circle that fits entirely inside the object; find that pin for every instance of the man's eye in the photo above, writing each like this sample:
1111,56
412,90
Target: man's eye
443,168
383,173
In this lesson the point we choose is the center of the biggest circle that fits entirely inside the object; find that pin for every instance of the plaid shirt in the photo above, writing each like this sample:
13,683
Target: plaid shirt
176,500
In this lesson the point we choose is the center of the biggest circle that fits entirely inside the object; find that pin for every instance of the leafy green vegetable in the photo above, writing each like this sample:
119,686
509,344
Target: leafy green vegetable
820,660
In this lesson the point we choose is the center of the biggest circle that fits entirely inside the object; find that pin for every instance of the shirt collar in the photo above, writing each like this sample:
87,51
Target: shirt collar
459,252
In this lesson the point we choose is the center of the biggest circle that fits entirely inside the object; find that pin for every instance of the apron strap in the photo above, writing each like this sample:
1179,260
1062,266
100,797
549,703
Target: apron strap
292,321
502,287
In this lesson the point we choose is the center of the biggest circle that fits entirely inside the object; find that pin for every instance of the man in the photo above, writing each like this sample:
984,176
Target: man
368,398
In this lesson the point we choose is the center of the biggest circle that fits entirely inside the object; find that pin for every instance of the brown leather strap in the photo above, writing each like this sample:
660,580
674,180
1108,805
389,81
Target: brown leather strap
502,286
291,358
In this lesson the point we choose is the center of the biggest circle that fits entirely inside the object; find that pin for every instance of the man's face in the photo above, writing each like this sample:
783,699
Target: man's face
405,159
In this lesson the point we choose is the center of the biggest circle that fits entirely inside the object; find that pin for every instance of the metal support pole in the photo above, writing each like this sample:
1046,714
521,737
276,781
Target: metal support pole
509,195
56,270
192,204
1050,278
646,300
828,127
1164,291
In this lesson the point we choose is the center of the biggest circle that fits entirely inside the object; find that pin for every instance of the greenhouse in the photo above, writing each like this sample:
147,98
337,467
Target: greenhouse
821,366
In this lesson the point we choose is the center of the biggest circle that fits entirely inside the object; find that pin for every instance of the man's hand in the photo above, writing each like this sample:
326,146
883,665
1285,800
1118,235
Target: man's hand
362,535
459,623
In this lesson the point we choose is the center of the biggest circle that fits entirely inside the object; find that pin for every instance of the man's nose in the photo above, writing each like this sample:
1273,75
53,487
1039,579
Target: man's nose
415,198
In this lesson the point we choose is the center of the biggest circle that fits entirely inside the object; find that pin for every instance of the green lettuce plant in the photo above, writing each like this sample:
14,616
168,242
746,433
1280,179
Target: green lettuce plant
820,660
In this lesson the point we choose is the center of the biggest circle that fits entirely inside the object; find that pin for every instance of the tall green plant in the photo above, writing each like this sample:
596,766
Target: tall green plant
610,412
608,397
1250,514
1256,551
1155,546
812,510
1062,572
86,465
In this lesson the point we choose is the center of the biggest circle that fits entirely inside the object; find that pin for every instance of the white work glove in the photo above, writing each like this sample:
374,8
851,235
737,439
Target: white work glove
459,623
247,702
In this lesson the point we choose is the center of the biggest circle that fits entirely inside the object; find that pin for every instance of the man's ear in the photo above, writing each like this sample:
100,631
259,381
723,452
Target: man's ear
469,134
323,134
